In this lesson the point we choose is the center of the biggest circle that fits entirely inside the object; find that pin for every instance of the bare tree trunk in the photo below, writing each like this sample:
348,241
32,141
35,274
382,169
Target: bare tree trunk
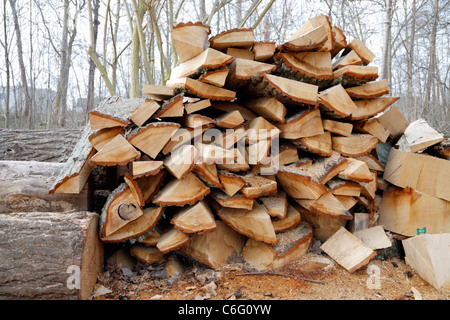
385,72
411,59
91,84
431,69
26,111
5,46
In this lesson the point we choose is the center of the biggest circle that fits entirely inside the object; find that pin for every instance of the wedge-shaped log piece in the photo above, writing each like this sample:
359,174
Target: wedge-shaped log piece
356,170
326,205
258,153
369,188
372,162
317,21
263,50
337,127
195,106
290,221
230,137
350,76
171,108
237,201
310,67
305,123
354,146
235,38
292,245
361,50
335,102
210,59
190,39
268,107
146,255
152,138
151,238
171,240
158,92
340,187
144,111
230,119
374,237
257,186
241,53
181,161
113,112
347,250
216,77
207,172
118,151
320,144
307,40
373,127
289,91
141,169
231,182
340,41
99,138
420,135
73,176
276,206
393,121
371,107
226,106
369,90
324,169
215,248
299,184
255,223
135,189
425,255
180,192
350,59
149,185
194,120
195,219
120,209
210,154
242,71
407,211
324,226
202,90
138,227
260,129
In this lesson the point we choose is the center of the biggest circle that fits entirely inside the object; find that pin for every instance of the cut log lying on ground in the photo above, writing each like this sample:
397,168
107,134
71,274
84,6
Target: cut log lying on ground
40,263
254,144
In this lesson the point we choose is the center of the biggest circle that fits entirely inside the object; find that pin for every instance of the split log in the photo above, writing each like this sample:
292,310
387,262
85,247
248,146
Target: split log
181,161
230,119
349,59
306,123
320,144
341,187
208,60
236,201
356,170
39,263
231,182
235,38
138,227
146,255
311,67
172,107
276,206
291,219
180,192
421,172
393,121
242,71
257,186
151,138
268,107
99,138
374,237
420,135
255,223
216,248
369,90
190,39
326,205
241,53
25,186
171,240
372,162
347,250
195,219
407,211
118,151
144,112
202,90
350,76
113,112
158,93
141,169
370,107
373,127
216,77
361,50
337,127
320,20
336,102
308,40
263,50
207,172
354,146
197,105
292,245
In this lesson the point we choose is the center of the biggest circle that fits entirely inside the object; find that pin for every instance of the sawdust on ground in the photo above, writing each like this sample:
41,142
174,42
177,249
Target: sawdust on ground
379,280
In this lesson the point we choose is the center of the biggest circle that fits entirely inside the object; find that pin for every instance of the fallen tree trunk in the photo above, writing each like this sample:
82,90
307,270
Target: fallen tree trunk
49,255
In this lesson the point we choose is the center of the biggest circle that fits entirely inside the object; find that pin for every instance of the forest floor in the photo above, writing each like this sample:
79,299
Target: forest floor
379,280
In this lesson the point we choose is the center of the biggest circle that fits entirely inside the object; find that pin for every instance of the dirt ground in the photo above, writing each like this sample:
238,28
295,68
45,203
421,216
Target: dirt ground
379,280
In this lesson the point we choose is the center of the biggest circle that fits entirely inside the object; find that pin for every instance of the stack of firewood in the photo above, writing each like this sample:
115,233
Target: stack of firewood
249,150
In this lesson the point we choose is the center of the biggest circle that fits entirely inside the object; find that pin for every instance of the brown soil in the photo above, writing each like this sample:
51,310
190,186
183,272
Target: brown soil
397,281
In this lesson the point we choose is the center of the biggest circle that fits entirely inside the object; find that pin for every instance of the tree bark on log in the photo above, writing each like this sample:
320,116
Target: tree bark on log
49,255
